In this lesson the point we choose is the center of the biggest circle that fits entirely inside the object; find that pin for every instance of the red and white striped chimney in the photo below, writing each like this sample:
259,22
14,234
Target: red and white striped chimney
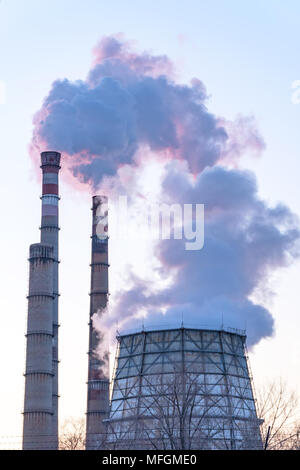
98,375
40,429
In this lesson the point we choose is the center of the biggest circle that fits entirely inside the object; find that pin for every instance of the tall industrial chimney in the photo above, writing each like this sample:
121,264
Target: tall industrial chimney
40,428
98,373
50,165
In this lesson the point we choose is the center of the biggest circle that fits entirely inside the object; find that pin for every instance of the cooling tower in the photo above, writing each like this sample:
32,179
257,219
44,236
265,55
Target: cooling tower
40,428
98,367
182,389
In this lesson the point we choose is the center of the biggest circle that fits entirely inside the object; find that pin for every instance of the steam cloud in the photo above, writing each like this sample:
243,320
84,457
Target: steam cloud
244,241
130,103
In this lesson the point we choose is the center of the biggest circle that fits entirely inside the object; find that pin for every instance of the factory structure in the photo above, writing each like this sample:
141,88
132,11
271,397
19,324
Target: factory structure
183,388
98,367
40,424
180,388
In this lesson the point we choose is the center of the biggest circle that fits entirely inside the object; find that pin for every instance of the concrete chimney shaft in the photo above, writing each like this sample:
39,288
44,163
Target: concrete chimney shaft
40,429
98,375
37,425
50,165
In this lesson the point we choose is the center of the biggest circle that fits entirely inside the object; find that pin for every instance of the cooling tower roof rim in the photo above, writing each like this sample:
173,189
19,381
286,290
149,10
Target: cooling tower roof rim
163,327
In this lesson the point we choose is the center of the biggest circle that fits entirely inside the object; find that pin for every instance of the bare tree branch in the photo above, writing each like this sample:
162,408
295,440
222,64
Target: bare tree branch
72,435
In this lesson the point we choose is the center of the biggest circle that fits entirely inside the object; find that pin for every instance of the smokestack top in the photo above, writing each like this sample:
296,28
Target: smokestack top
100,212
98,200
50,158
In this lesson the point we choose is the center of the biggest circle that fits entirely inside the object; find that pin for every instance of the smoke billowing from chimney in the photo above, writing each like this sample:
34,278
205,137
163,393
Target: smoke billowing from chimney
130,101
245,241
131,108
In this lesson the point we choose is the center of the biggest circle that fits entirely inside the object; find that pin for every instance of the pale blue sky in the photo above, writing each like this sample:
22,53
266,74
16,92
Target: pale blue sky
247,55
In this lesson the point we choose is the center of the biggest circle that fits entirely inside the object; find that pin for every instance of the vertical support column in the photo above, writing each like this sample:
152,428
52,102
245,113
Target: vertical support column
50,165
230,414
37,423
98,368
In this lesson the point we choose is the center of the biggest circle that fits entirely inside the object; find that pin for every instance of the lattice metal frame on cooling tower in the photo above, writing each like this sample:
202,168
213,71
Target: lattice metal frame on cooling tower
149,363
